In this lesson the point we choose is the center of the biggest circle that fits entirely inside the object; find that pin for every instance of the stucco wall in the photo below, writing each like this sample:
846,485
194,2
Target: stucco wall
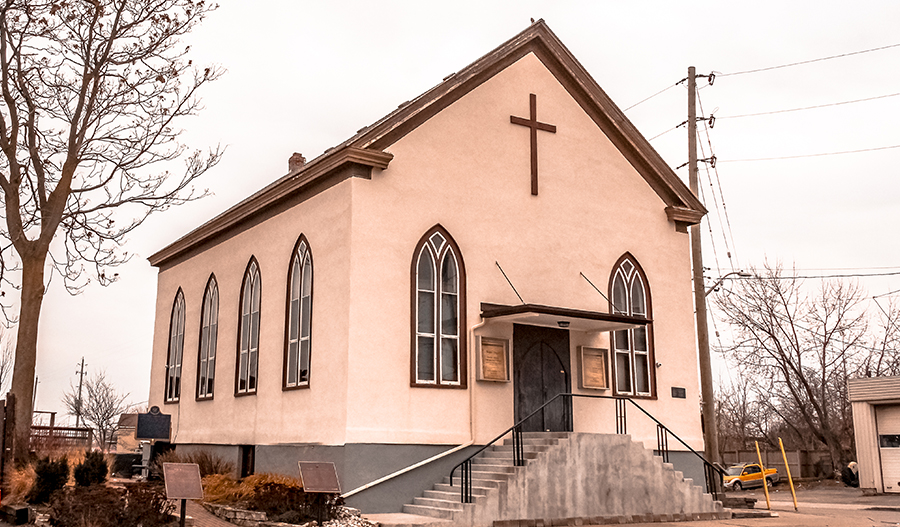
314,415
468,169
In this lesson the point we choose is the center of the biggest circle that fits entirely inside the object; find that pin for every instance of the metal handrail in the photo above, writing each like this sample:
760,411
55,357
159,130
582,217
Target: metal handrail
710,470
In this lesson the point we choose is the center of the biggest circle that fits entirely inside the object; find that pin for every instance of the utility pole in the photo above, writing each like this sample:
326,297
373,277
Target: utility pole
710,437
80,374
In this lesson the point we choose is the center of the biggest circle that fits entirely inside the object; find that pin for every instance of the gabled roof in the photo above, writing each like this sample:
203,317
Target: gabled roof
365,150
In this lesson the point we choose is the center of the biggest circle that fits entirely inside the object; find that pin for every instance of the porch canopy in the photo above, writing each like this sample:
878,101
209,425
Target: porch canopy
557,317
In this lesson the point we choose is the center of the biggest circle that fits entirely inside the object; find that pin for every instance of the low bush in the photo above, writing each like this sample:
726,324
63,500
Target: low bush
92,470
50,476
209,463
142,504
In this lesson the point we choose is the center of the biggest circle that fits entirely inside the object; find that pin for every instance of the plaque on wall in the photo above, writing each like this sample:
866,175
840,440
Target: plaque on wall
493,355
593,362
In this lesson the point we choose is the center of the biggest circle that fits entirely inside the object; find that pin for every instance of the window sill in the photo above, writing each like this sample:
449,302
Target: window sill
244,394
438,386
294,388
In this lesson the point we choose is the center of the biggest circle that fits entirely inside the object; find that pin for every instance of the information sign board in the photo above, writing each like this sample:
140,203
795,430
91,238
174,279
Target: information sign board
319,477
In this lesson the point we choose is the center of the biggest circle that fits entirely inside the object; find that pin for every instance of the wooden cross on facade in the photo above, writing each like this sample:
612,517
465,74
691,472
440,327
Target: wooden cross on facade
534,125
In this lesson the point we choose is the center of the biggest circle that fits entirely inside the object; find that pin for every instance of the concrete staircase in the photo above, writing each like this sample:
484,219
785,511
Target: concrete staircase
583,478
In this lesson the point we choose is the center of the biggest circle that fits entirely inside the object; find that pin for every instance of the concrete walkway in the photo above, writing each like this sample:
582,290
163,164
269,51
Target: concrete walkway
202,517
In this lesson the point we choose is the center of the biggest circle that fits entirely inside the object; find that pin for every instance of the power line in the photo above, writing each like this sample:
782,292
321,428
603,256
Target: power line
660,92
810,155
807,107
808,61
822,276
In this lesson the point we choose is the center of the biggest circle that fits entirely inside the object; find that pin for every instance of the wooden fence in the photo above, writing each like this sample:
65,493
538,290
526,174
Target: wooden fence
804,463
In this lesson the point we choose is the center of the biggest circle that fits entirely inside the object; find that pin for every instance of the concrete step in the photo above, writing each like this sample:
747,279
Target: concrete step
453,496
493,467
398,519
504,454
455,490
525,448
483,474
484,483
548,441
434,512
541,435
504,461
438,503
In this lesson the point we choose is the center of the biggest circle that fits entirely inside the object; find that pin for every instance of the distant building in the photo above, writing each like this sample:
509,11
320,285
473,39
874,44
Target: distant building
361,309
125,440
875,403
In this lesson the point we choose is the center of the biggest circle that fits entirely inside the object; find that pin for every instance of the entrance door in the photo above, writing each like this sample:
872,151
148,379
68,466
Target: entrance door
541,371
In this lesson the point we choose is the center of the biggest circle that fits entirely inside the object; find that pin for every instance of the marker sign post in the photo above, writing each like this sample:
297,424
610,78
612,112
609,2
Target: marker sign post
183,483
319,478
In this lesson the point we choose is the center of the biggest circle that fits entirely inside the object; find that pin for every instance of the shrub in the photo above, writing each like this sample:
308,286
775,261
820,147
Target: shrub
92,470
220,488
50,476
209,463
141,504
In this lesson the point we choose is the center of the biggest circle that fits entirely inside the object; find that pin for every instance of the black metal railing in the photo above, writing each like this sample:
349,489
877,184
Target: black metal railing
712,473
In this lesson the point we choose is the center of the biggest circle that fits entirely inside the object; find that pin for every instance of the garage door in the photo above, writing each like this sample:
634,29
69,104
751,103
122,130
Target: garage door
888,423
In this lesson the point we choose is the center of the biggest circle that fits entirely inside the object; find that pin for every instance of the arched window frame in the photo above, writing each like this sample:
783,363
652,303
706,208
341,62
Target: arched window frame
175,352
209,333
299,311
623,343
437,244
246,379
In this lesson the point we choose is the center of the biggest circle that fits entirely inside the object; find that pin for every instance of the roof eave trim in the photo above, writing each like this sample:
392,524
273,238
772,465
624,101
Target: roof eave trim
277,191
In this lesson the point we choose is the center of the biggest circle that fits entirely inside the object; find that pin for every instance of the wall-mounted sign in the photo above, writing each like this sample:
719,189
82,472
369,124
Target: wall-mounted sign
493,358
594,366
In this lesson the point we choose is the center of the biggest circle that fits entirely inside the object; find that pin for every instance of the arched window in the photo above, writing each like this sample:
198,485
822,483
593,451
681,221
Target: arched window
176,349
209,323
248,337
438,312
634,362
299,326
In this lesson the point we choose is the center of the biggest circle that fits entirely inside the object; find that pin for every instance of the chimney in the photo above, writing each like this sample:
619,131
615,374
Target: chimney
296,161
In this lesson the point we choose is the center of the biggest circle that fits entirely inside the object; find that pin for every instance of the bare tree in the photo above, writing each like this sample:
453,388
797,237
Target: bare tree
802,346
91,92
7,357
100,407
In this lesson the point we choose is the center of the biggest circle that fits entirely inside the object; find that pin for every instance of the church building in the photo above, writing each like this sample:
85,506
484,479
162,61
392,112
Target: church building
420,288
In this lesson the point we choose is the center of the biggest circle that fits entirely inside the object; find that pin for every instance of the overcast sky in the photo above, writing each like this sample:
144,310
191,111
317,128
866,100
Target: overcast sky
304,76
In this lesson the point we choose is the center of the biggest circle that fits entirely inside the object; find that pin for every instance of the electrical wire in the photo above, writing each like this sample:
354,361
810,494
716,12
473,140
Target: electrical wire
731,248
821,276
875,149
660,92
807,107
806,61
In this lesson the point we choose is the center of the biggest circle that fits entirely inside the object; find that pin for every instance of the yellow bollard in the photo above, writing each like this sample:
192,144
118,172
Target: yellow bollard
787,468
763,469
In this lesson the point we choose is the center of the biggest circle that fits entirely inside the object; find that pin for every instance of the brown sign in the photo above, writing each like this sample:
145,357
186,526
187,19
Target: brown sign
182,481
593,368
319,477
494,359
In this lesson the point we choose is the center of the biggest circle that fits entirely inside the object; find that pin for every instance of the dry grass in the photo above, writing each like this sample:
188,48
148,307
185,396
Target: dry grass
20,482
208,463
222,488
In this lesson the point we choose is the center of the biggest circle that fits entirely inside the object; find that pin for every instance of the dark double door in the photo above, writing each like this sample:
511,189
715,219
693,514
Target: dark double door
541,371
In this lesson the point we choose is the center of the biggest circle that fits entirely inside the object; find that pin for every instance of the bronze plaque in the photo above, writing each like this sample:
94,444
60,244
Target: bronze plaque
319,477
593,368
494,359
182,481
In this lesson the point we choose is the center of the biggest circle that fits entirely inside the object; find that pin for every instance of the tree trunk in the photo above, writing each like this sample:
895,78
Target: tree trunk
26,350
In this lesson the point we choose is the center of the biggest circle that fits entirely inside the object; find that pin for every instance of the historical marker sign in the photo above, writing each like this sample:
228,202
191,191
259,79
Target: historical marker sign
319,477
153,425
183,481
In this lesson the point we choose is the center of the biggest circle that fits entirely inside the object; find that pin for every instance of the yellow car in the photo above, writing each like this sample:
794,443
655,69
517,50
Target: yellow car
748,475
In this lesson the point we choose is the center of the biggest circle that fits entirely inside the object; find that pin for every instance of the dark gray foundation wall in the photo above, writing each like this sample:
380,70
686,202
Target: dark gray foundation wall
689,465
357,464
